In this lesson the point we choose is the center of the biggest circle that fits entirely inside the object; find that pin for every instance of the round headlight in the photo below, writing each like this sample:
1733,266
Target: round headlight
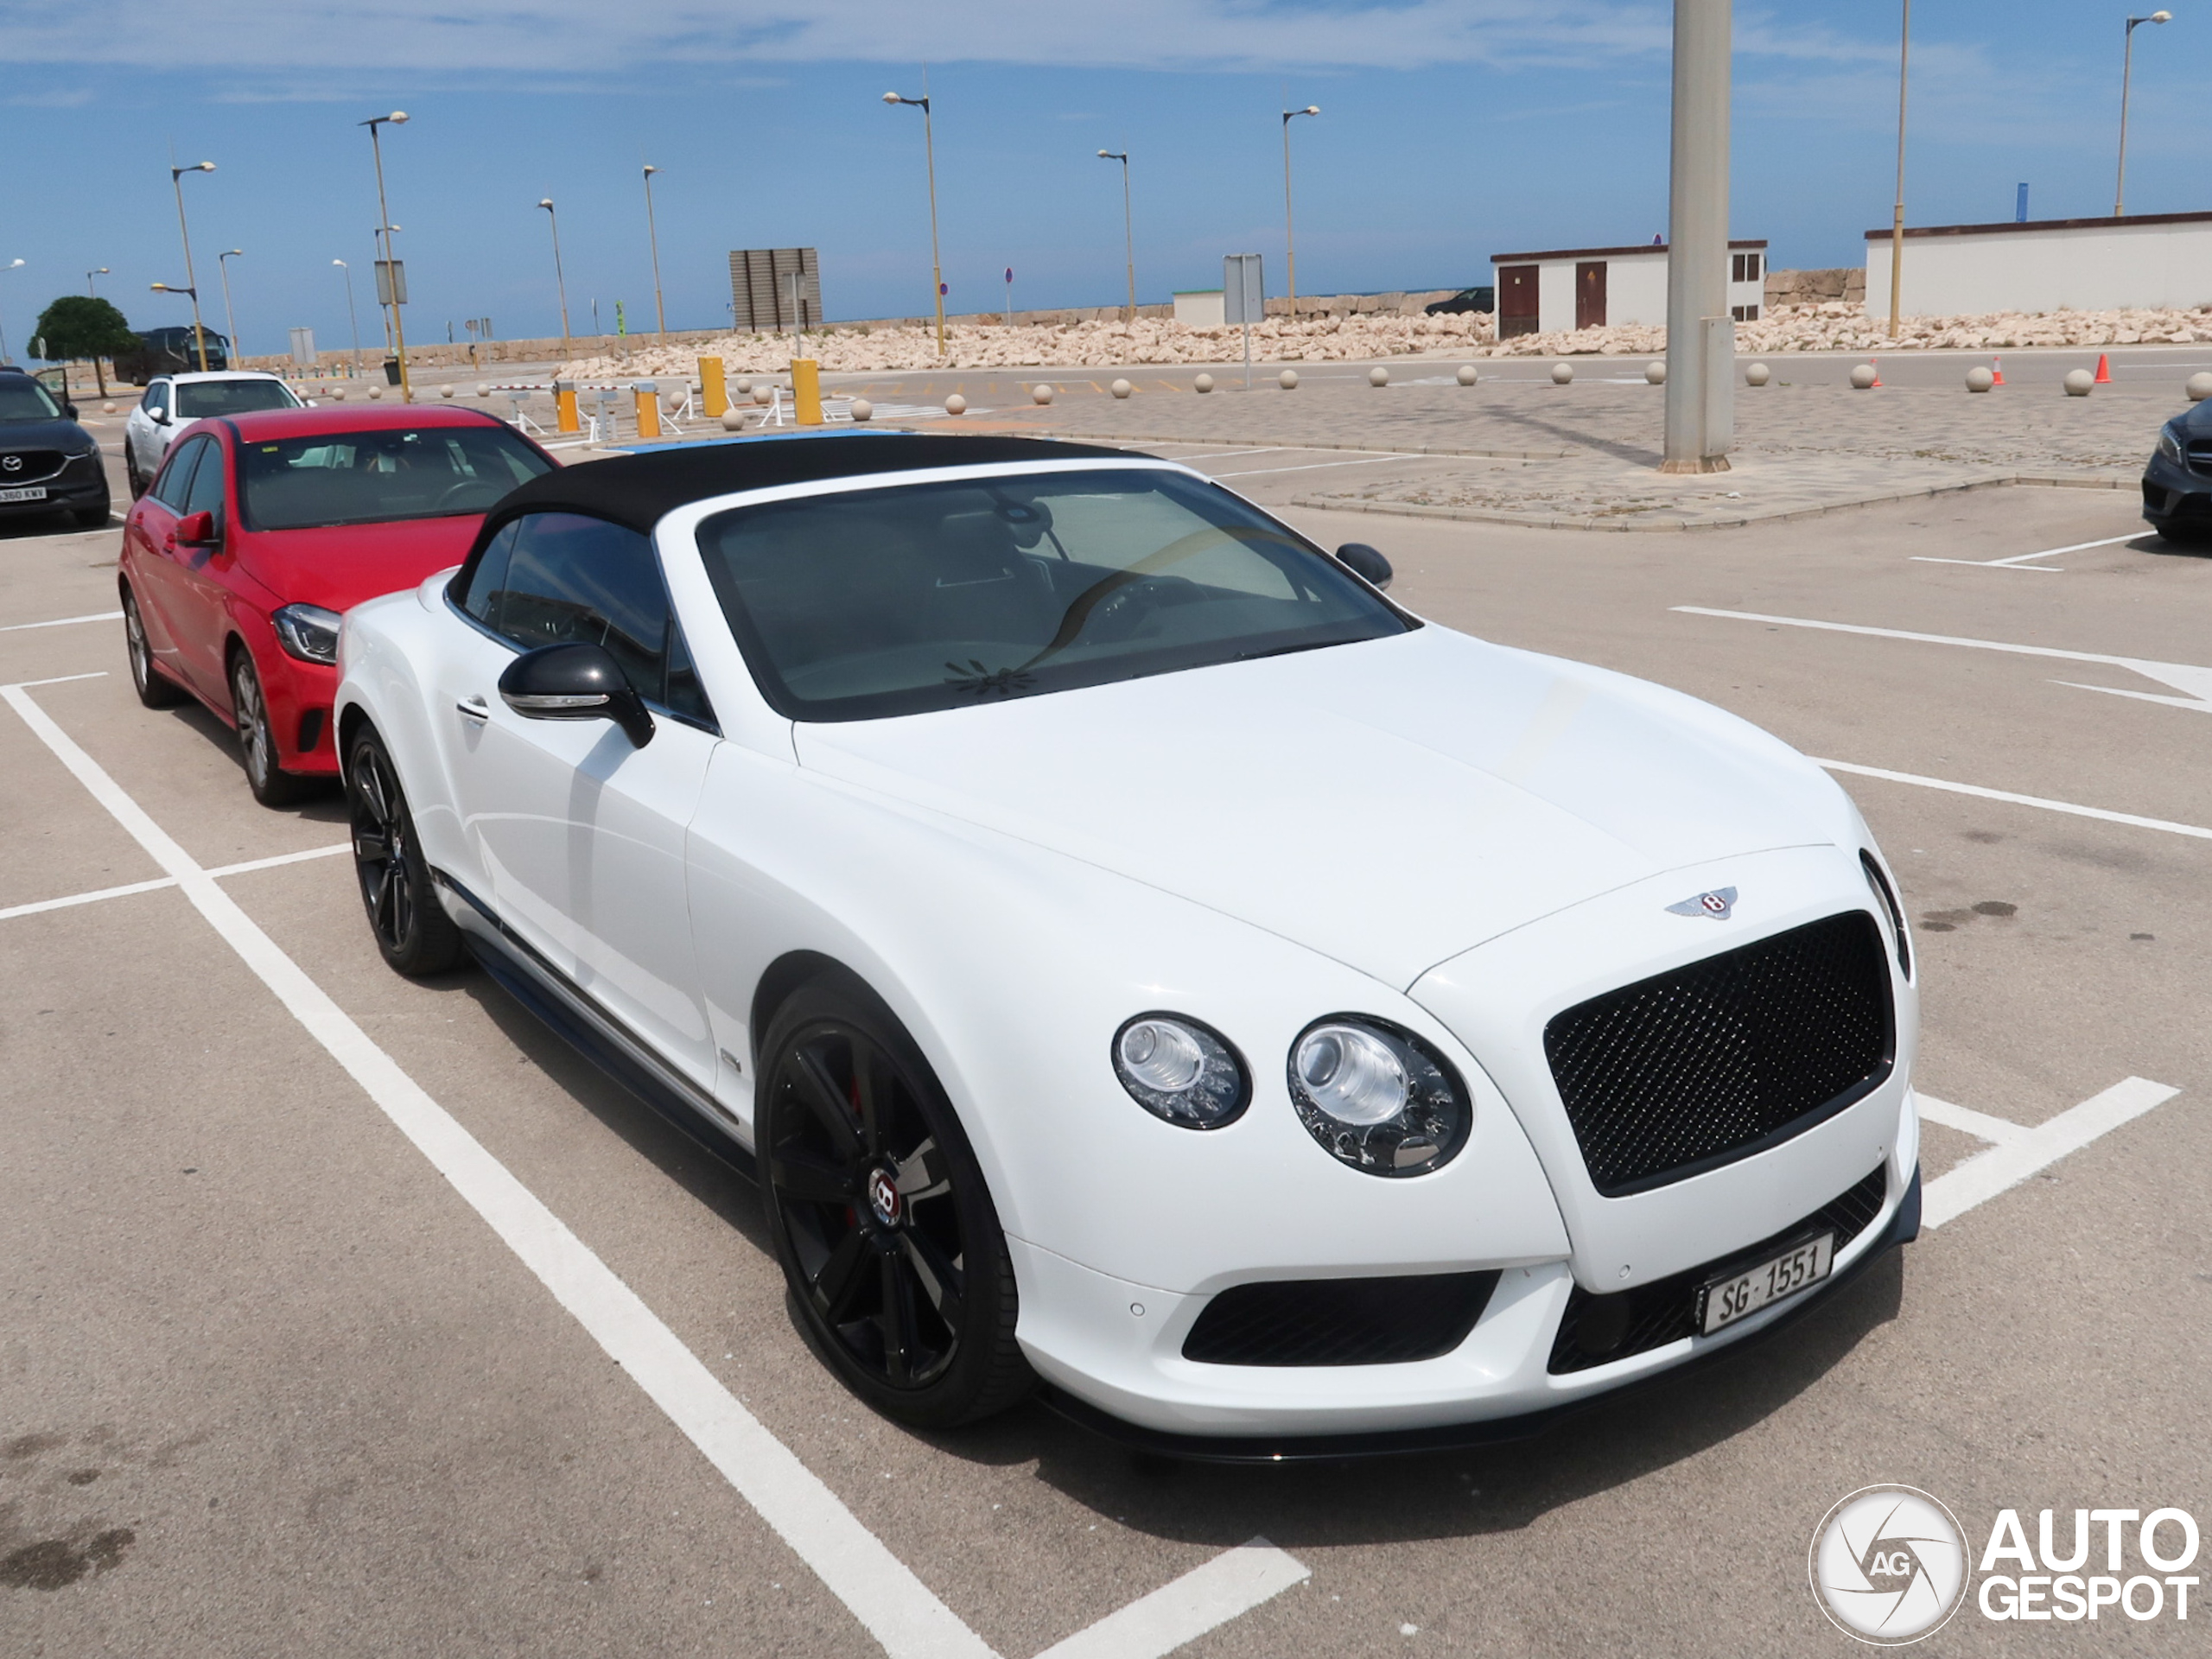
1182,1072
1378,1097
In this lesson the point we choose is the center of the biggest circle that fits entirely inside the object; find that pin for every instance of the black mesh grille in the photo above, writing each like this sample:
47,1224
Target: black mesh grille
29,465
1598,1330
1692,1069
1340,1321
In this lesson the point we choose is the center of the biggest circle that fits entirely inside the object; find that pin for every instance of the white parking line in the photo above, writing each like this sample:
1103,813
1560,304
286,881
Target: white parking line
2019,561
2019,1151
1234,1582
2192,679
1311,466
64,621
159,882
894,1606
2195,831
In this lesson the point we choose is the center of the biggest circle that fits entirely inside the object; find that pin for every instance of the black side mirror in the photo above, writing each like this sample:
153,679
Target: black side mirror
1364,562
575,681
70,410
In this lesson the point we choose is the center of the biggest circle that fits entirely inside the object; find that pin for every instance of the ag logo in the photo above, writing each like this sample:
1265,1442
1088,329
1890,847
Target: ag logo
1888,1565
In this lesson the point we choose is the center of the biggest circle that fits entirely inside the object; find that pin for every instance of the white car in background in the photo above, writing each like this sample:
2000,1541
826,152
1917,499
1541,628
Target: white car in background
1139,957
173,401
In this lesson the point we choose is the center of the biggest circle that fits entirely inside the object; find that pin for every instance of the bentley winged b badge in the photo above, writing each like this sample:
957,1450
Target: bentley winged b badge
1718,905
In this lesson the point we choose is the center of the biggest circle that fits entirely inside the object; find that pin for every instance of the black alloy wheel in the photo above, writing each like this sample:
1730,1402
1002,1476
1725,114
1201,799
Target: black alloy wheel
412,929
890,1245
271,784
155,689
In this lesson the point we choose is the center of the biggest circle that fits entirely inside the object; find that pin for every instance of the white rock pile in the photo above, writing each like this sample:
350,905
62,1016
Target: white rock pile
1831,326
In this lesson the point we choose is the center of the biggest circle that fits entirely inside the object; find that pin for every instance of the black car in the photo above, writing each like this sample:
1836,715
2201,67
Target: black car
1467,299
2178,484
48,462
171,351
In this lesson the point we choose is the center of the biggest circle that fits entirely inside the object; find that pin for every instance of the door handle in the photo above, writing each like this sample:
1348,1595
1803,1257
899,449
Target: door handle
475,707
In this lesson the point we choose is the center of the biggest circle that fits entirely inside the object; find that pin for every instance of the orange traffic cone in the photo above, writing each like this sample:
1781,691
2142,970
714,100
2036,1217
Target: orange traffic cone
1996,370
2104,371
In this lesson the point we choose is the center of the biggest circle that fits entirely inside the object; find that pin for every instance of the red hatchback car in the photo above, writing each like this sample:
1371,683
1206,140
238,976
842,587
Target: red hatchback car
261,529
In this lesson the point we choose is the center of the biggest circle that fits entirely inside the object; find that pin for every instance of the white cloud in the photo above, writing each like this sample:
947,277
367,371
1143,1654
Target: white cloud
498,39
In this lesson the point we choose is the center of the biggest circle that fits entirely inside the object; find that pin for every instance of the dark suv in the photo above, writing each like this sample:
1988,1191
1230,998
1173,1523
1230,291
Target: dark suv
48,462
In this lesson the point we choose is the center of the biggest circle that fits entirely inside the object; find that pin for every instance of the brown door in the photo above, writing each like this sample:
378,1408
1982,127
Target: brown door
1516,299
1590,294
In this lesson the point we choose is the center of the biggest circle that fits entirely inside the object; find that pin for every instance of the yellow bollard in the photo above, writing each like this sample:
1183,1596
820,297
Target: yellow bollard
648,403
714,397
806,391
564,407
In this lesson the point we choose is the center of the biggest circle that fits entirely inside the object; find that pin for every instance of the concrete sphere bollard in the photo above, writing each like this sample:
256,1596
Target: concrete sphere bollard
445,393
338,394
1655,373
1562,374
1042,393
108,408
375,392
863,410
483,389
1288,379
1204,383
1862,376
2078,382
731,420
1468,376
764,396
1980,379
1121,389
745,385
955,405
1758,375
1378,376
2199,388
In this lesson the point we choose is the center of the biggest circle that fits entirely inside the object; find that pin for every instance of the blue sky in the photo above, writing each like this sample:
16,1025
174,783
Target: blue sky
1449,131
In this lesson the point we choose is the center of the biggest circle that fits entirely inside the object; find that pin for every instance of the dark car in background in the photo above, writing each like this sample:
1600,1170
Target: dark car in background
1467,299
170,351
2177,483
48,462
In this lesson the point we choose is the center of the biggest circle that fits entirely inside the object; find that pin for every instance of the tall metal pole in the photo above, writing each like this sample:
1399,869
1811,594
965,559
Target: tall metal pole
1897,223
560,281
89,275
1289,224
929,152
229,317
390,265
1128,229
2126,73
191,282
353,316
652,237
1700,337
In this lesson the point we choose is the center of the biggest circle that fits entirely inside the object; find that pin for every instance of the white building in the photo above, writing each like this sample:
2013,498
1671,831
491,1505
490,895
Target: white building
1200,308
2048,264
1599,288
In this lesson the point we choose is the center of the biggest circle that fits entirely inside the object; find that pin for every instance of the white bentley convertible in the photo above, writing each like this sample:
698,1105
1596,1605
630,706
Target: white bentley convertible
1137,954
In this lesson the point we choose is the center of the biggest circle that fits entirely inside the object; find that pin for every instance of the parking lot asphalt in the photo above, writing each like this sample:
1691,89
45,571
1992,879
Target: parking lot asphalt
269,1383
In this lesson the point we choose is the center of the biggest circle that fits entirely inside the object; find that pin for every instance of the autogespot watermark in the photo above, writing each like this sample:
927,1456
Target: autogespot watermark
1890,1565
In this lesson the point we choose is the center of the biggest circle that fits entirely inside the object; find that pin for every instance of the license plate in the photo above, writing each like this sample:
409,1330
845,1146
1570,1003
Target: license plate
1724,1301
35,493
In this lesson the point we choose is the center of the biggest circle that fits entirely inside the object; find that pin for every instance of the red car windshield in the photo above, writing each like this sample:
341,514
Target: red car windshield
366,478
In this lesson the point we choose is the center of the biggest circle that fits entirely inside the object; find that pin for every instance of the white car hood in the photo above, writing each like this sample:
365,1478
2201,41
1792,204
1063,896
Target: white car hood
1389,804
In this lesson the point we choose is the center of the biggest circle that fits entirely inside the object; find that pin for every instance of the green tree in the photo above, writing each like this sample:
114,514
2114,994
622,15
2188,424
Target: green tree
77,327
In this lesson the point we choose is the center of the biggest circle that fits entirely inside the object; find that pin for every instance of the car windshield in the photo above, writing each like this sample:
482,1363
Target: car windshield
365,478
858,605
22,398
197,399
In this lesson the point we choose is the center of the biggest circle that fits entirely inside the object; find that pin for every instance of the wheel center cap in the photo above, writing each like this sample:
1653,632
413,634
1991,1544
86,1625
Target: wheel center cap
883,1198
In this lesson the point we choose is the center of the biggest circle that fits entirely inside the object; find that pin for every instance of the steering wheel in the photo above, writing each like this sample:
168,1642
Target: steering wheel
453,493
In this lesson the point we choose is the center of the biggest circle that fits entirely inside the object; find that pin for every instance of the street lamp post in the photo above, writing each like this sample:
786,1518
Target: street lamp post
1289,224
385,227
1128,226
191,282
929,152
1896,221
560,281
652,238
1700,407
352,315
13,264
229,317
2126,73
89,275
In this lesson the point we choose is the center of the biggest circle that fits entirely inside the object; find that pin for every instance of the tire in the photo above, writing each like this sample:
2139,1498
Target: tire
138,480
270,783
153,689
412,927
889,1242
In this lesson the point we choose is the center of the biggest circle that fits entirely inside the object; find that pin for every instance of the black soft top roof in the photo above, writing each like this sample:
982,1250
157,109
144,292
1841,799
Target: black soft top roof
638,490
